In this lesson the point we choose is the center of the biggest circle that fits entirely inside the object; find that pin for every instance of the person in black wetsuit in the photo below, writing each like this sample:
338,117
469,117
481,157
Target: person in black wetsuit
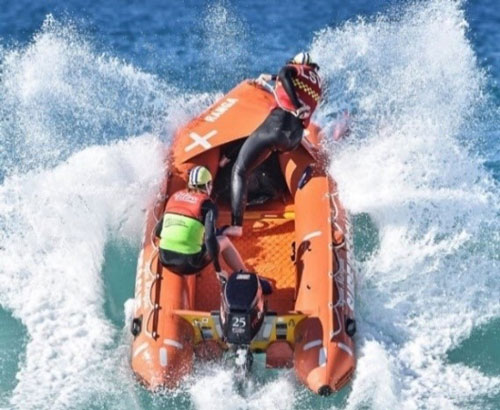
297,93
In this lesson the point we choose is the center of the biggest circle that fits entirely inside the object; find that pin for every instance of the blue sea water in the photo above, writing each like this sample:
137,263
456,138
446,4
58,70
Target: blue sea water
90,94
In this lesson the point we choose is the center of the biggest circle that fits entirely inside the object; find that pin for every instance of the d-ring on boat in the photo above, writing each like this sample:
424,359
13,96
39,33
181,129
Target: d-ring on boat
298,237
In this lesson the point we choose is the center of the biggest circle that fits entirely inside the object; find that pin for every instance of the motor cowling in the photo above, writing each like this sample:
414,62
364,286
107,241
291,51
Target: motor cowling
242,308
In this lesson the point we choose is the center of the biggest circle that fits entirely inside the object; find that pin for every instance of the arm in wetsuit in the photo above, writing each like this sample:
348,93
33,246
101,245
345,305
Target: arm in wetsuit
285,76
209,214
159,227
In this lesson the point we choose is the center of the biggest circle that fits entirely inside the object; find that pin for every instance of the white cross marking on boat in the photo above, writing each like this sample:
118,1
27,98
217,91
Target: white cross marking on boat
200,140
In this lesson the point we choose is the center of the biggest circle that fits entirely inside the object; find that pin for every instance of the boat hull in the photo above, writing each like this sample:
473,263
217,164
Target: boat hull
301,242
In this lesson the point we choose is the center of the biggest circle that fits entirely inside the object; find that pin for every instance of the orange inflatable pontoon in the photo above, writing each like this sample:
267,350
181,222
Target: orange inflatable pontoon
300,240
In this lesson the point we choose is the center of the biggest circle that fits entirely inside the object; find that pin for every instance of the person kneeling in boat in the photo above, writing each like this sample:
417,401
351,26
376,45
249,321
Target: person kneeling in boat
188,239
297,92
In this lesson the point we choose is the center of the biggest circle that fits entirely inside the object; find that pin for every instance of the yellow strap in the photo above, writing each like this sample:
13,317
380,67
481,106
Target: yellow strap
204,327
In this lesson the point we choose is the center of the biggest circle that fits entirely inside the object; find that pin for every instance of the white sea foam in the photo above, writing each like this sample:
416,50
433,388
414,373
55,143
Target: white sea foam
57,224
60,95
215,389
225,49
414,86
66,189
413,82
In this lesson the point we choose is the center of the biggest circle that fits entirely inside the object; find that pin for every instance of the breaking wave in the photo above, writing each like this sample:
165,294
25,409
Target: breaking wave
81,157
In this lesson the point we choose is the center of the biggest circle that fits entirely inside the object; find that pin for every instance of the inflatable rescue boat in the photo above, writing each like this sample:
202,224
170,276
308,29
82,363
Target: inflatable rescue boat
296,235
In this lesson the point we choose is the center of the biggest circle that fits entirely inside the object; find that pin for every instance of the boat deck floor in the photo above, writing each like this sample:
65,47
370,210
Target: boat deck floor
266,248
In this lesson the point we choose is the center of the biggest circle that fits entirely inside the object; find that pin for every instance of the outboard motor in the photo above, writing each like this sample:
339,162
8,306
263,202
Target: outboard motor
242,308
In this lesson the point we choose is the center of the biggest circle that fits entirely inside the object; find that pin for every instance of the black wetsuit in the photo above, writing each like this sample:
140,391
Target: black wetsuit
281,131
185,264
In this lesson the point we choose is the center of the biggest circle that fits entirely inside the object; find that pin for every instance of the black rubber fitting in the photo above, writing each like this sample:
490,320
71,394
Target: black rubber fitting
350,327
135,329
325,390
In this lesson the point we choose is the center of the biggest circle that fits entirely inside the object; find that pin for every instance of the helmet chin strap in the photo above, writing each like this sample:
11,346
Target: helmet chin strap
208,188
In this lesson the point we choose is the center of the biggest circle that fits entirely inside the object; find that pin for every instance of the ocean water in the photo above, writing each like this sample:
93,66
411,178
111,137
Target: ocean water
90,95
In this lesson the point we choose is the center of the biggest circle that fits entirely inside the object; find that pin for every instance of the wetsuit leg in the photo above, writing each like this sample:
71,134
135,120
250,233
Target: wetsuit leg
199,261
174,261
280,131
211,243
254,152
185,264
289,136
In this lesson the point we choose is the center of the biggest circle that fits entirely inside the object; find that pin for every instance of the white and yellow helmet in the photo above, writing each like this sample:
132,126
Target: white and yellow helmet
200,178
302,58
